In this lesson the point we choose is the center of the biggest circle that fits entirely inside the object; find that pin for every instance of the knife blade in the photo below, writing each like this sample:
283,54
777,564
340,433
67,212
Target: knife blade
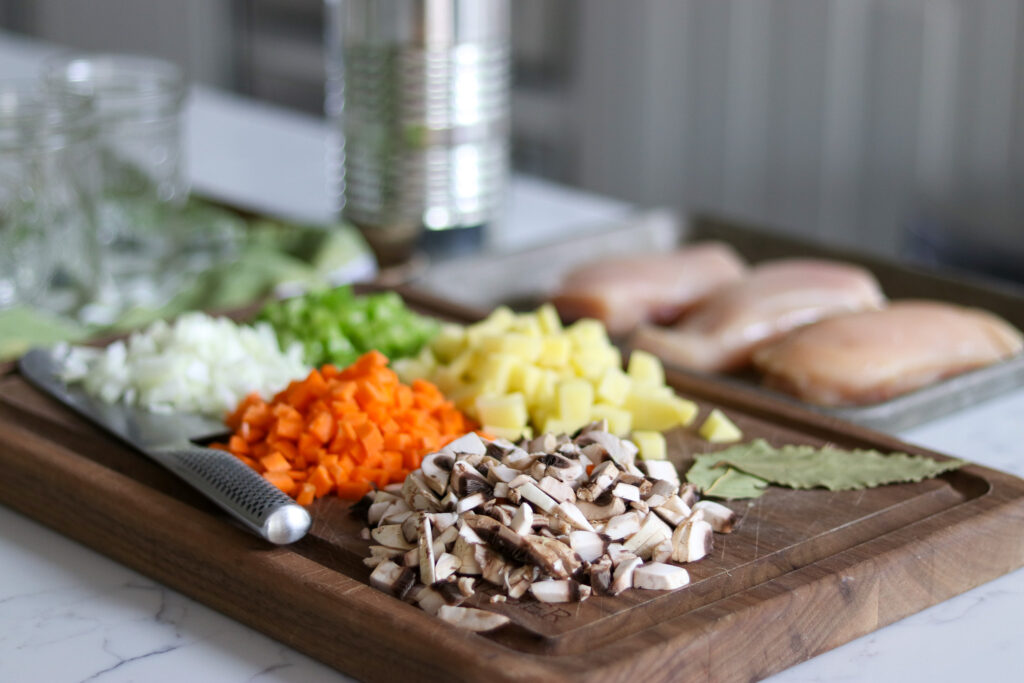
167,438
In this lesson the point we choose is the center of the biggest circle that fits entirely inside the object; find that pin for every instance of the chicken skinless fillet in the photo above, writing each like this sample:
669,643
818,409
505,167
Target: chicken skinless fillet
627,291
870,357
723,332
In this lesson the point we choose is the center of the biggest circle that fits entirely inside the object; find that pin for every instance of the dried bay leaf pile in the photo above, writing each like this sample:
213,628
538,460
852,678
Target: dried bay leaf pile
746,470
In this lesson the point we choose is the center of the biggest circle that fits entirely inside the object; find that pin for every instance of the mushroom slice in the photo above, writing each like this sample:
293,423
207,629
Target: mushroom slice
626,491
502,473
618,554
673,510
436,469
692,541
570,513
418,494
426,552
545,443
391,536
623,576
411,528
622,526
501,538
466,481
600,572
446,537
522,522
469,502
587,544
660,576
501,490
520,480
602,476
662,552
463,550
430,601
661,470
447,564
564,590
557,489
596,513
468,444
652,532
553,556
443,520
688,494
535,495
392,578
721,518
493,567
660,492
472,619
465,585
396,515
517,459
561,467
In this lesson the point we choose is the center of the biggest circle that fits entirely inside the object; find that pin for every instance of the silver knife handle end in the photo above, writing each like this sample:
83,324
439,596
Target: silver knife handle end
239,490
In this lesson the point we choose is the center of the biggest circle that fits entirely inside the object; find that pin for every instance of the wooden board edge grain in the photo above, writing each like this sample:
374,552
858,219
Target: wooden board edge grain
359,626
865,587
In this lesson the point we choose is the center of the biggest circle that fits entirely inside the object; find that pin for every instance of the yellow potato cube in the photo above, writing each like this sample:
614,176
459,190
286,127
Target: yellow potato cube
494,371
575,399
620,421
498,322
505,412
651,444
525,378
528,324
718,428
449,342
554,351
514,343
592,362
587,332
613,387
645,368
657,412
547,317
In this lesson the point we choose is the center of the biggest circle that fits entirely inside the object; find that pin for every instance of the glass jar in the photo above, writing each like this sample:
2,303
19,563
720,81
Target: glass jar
139,104
49,184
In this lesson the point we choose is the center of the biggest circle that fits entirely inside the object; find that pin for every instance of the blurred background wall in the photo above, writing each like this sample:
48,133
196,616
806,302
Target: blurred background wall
852,120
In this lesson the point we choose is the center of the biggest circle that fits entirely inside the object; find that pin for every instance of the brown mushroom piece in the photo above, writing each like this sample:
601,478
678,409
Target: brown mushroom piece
472,619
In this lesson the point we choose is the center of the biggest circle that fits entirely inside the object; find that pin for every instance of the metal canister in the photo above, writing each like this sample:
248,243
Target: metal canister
418,93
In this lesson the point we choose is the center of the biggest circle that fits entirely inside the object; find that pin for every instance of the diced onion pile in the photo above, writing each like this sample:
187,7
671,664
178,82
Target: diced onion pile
198,364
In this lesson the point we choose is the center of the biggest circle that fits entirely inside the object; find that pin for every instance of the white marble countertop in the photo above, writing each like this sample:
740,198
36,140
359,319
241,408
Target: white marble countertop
70,614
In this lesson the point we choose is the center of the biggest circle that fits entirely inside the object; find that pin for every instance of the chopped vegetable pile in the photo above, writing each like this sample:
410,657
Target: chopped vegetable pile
554,519
197,364
522,373
336,326
342,431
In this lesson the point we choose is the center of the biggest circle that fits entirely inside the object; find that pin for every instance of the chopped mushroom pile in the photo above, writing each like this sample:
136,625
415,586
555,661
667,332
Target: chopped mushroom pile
528,518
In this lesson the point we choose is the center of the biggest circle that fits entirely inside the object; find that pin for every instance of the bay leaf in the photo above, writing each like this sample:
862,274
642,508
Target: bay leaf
806,467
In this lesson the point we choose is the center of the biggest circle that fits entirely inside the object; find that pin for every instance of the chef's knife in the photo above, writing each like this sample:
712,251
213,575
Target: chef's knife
167,438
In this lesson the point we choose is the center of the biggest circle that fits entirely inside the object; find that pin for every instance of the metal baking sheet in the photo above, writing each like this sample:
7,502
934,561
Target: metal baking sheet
523,280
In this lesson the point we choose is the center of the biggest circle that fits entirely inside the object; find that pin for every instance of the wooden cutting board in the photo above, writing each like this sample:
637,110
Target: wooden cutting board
804,572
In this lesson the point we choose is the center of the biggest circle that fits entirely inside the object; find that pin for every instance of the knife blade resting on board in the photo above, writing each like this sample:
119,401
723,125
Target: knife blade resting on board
234,486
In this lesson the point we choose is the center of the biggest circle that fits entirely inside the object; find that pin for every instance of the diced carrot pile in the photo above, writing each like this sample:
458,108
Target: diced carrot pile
343,431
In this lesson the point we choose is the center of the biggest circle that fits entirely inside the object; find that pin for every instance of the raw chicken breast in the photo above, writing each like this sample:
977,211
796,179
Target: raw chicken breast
873,356
776,297
624,292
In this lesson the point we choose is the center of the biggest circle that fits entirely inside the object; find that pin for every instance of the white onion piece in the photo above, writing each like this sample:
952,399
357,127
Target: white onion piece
198,364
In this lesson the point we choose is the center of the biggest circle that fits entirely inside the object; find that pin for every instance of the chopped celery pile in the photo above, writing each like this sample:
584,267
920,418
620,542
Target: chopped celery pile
337,326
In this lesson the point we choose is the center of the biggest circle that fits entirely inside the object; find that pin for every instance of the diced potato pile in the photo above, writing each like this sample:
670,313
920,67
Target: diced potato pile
520,374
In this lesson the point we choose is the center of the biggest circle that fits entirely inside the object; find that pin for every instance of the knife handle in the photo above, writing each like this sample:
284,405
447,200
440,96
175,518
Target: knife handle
237,488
